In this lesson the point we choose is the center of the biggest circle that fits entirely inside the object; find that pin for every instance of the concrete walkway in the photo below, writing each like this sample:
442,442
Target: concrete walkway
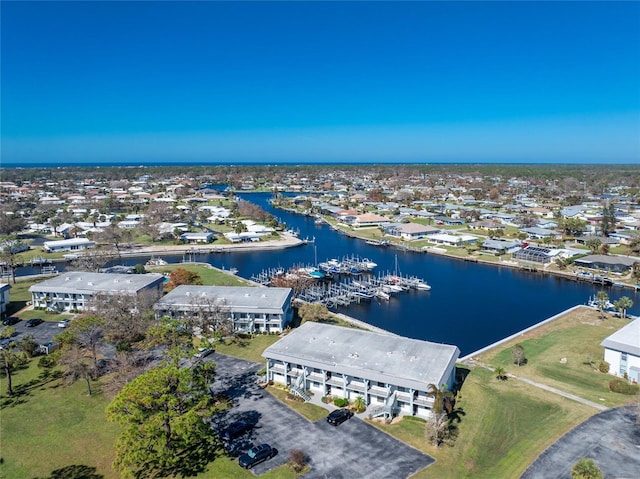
551,389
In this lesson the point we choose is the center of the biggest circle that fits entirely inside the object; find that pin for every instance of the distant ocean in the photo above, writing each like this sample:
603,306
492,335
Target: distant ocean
213,164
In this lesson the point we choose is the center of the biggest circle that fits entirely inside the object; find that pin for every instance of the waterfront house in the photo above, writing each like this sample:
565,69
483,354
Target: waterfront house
391,373
536,254
369,219
73,244
614,264
622,351
192,238
410,231
501,246
250,309
72,291
452,240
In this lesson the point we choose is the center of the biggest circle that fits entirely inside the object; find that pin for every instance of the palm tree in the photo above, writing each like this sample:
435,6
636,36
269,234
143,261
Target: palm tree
622,305
585,469
500,373
602,299
443,399
359,404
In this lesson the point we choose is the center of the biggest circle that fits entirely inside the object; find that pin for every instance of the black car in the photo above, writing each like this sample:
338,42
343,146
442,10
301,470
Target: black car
339,416
10,321
235,430
30,323
256,455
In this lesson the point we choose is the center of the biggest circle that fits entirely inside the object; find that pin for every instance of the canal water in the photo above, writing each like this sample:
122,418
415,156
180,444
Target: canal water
470,305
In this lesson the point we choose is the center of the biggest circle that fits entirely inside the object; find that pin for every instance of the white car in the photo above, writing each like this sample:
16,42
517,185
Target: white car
63,324
203,352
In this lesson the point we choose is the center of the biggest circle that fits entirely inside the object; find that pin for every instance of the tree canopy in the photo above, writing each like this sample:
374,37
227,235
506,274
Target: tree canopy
164,416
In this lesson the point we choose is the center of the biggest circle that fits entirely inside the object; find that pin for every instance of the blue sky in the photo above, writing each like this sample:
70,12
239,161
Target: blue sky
320,82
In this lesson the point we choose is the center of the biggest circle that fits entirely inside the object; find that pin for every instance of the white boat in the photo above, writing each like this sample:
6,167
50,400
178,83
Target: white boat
422,286
156,262
368,264
382,295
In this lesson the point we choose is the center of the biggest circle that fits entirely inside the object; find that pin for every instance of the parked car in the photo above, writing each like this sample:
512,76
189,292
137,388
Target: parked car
6,342
256,455
11,320
203,352
30,323
339,416
235,430
63,324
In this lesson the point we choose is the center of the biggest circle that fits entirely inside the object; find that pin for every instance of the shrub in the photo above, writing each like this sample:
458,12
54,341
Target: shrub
324,399
623,387
46,362
341,402
298,459
603,367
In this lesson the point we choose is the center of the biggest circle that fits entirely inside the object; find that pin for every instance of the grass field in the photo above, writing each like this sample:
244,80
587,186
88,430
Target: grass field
503,427
47,427
565,354
210,276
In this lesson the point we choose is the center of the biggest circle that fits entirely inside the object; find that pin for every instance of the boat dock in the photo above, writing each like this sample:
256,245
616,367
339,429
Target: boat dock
336,288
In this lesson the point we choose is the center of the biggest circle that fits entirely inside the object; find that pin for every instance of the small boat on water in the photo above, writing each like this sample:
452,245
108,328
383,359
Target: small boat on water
378,242
422,286
156,262
382,295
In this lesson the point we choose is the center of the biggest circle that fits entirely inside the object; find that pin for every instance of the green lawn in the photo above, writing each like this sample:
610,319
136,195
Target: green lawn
312,412
48,426
504,426
565,354
249,349
210,276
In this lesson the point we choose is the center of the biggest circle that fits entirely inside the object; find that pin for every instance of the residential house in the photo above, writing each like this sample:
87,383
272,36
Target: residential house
501,246
614,264
410,231
72,244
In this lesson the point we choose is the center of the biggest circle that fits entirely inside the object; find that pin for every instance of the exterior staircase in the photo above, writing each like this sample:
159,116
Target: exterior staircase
387,410
298,388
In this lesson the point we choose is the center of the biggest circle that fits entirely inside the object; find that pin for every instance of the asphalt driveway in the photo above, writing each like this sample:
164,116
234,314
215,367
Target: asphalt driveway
353,449
611,439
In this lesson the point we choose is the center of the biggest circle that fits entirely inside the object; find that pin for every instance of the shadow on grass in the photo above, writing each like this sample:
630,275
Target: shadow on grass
22,391
76,471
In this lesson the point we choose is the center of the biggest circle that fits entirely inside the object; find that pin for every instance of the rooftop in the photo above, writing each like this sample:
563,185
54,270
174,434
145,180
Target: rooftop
380,357
626,339
83,282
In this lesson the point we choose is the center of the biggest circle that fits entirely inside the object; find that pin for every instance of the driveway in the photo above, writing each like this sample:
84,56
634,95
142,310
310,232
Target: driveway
611,439
353,449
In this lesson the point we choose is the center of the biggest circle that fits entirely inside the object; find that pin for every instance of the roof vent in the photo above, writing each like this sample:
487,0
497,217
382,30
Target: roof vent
203,294
188,293
246,295
413,358
116,280
353,355
388,354
332,342
67,278
263,296
90,283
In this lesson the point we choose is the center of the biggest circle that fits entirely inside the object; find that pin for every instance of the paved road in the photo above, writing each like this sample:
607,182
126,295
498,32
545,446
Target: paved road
352,450
611,439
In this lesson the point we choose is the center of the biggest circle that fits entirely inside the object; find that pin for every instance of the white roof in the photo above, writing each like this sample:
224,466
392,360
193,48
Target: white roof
380,357
626,339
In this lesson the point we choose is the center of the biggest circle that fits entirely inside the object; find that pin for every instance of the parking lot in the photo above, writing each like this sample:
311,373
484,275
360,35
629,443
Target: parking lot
353,449
42,333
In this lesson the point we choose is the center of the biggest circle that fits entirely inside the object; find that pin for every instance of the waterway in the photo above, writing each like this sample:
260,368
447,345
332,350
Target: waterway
470,305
